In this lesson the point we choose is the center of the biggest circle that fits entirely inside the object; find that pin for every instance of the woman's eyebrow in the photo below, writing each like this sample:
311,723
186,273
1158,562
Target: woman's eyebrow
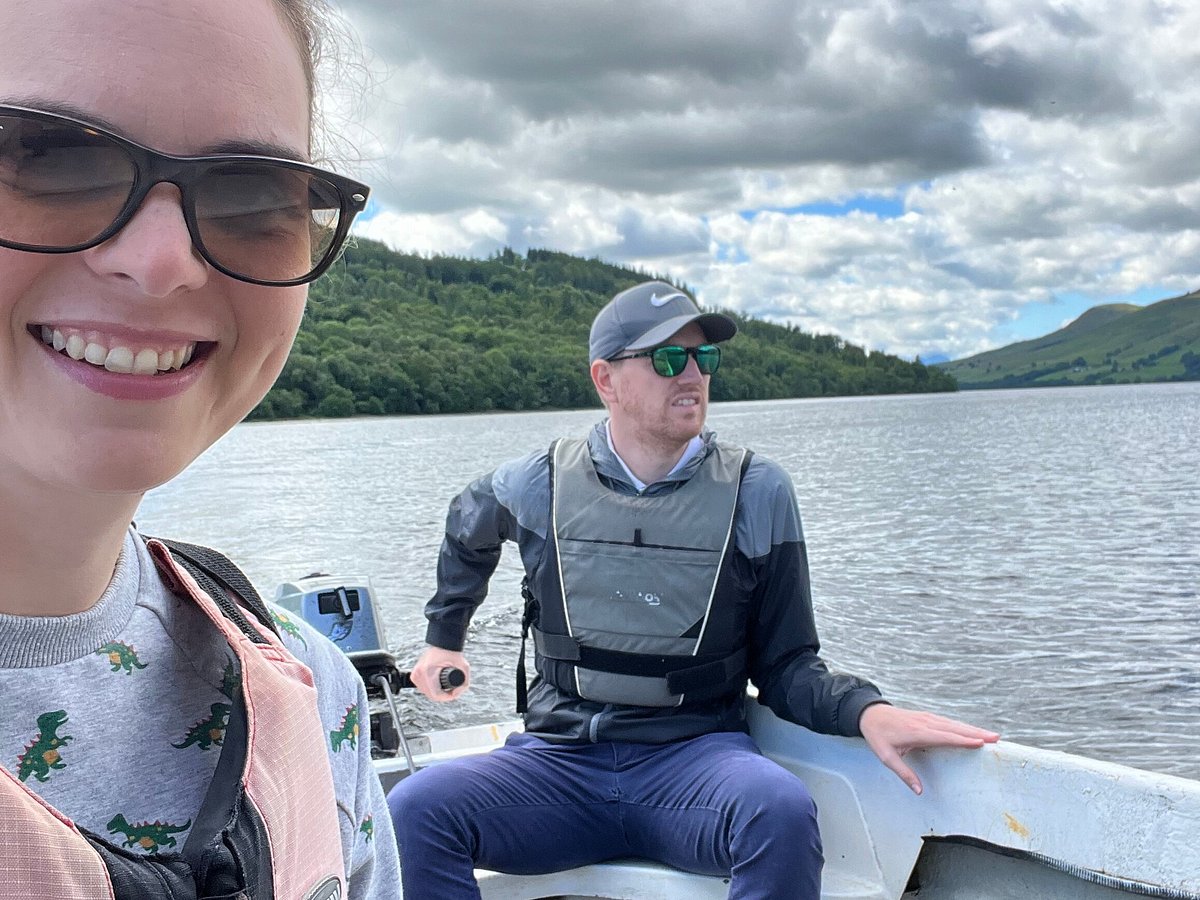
256,148
246,147
60,108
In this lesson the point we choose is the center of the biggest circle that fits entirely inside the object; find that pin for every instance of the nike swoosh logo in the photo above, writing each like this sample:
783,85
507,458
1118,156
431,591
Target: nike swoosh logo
656,300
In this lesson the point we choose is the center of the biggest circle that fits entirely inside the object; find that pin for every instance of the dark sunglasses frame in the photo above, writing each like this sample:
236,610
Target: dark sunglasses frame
661,358
152,168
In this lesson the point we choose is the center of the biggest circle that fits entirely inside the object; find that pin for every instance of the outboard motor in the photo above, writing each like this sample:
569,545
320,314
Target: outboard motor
342,609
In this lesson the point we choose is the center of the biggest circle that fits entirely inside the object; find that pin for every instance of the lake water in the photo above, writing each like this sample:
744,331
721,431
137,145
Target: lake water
1026,560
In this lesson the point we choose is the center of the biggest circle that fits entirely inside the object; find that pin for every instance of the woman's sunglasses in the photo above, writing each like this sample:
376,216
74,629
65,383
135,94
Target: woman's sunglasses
66,186
672,359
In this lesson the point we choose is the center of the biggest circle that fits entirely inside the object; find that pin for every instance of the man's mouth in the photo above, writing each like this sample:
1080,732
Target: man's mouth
685,401
115,354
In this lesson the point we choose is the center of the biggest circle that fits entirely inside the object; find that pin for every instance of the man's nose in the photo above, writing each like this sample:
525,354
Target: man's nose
691,371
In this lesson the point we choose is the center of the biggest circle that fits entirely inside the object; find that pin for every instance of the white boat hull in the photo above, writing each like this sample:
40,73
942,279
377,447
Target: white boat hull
1007,822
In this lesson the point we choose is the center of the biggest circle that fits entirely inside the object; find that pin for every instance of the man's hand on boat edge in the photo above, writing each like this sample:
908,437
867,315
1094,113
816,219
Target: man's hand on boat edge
426,673
891,732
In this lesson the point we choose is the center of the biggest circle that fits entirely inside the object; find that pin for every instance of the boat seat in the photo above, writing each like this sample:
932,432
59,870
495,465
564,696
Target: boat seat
619,879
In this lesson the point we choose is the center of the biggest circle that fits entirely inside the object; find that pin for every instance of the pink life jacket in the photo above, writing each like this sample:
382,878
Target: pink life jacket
268,829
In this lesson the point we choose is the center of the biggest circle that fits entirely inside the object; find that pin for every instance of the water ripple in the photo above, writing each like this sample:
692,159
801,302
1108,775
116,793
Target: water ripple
1022,559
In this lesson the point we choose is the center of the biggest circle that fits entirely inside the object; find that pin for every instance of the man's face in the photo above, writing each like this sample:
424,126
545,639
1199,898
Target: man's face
656,410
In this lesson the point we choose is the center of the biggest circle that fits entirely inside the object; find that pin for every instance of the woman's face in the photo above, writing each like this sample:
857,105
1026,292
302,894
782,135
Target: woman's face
182,77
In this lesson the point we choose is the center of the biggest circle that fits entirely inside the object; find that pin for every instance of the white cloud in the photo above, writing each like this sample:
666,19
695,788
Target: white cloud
1037,148
475,233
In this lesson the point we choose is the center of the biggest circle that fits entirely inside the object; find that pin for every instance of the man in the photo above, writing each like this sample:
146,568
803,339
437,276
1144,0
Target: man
664,570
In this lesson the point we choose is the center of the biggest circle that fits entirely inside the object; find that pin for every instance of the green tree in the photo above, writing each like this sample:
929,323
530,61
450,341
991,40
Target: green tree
390,333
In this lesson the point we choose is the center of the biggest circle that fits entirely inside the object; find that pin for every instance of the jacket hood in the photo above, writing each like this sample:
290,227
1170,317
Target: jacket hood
609,468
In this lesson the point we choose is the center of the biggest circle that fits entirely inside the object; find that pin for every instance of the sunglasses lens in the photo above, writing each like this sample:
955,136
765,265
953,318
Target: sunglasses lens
266,221
669,361
708,358
61,185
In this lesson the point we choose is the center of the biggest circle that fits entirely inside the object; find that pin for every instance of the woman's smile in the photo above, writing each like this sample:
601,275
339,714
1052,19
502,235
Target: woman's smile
116,354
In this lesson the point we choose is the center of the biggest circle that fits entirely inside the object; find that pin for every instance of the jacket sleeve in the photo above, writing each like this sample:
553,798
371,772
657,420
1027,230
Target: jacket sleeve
785,662
477,525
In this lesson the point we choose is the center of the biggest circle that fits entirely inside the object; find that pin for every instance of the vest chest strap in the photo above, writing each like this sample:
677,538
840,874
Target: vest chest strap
682,673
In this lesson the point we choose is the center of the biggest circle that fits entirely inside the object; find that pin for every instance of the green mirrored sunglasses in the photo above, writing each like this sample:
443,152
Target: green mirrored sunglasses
672,359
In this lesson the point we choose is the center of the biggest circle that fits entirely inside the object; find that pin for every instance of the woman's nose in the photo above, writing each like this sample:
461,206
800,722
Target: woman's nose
154,249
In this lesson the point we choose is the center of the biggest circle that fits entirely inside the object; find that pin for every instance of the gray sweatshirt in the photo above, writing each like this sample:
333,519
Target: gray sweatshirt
132,697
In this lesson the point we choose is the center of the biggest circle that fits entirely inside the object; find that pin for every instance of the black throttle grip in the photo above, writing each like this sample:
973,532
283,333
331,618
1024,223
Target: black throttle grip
448,679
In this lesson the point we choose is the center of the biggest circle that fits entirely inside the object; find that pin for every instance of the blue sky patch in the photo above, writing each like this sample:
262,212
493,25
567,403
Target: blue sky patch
373,209
872,204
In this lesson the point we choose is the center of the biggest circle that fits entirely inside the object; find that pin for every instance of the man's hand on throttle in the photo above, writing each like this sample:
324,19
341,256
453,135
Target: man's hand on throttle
426,671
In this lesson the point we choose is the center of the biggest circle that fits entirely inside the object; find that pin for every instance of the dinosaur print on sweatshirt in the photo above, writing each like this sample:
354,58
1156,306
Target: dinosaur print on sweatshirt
122,657
347,732
149,836
41,755
288,627
208,732
368,828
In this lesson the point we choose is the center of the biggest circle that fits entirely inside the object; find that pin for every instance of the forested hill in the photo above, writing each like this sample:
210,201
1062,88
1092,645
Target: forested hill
1117,343
389,333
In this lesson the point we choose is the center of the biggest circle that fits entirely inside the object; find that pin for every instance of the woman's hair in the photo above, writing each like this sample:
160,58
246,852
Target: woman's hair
306,19
324,39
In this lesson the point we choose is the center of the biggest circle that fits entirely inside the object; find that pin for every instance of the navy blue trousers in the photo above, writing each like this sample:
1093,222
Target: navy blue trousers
713,805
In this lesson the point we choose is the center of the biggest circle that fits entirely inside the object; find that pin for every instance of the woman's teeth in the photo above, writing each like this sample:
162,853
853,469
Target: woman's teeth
98,351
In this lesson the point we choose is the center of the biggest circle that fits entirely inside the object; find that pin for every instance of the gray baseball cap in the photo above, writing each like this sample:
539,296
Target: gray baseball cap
648,314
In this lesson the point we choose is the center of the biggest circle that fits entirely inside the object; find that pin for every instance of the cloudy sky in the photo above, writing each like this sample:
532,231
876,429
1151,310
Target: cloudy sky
935,177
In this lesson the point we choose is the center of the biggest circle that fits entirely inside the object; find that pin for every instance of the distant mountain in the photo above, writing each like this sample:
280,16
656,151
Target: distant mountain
389,333
1118,343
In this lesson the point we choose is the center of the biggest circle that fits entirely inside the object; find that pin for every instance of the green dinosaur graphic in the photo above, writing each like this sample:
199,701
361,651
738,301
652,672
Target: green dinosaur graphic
368,828
230,680
121,656
208,732
287,626
347,731
150,836
42,754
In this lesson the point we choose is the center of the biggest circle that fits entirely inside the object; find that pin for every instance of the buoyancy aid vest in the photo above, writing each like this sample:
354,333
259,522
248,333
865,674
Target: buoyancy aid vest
267,830
623,599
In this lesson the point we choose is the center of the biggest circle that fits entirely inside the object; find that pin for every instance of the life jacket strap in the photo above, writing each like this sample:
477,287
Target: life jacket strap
225,583
728,670
558,646
682,673
528,614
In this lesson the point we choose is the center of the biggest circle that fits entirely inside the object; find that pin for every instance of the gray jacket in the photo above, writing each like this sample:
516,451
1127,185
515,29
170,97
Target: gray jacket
767,598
